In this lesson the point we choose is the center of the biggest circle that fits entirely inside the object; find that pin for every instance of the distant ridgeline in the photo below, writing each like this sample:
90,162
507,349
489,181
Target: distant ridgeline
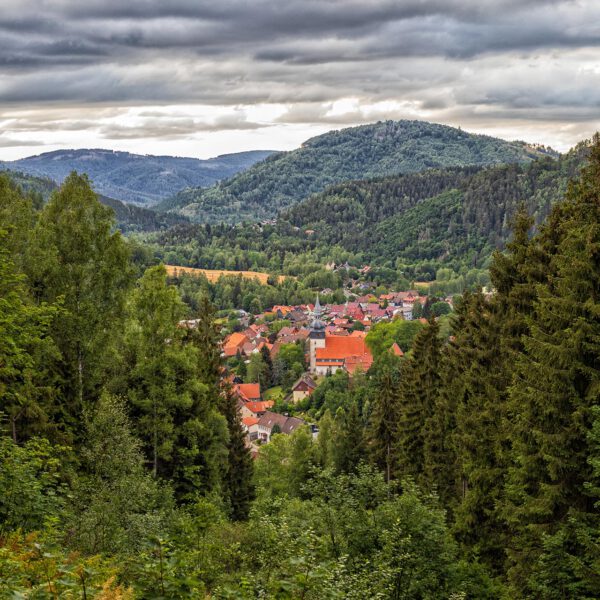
368,151
135,178
129,217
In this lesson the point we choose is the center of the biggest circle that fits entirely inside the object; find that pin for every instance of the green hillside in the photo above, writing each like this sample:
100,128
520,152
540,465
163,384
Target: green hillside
380,149
406,227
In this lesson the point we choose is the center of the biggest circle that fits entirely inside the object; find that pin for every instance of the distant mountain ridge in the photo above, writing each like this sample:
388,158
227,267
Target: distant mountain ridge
135,178
129,217
387,148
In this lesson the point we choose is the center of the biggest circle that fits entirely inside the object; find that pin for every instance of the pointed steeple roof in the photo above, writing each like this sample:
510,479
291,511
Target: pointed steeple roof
317,326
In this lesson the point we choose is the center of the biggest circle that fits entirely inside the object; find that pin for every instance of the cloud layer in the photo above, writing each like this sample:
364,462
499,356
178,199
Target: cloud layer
190,73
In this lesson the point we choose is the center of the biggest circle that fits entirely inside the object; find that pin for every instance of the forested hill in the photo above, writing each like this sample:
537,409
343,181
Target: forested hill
129,217
380,149
436,215
408,226
135,178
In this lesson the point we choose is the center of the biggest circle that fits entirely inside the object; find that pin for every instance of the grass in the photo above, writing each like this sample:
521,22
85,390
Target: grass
274,393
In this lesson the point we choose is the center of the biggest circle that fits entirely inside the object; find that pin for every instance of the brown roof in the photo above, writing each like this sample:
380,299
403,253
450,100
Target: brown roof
307,379
287,424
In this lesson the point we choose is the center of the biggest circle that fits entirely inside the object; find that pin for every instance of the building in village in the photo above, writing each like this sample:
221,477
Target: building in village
303,388
329,353
270,421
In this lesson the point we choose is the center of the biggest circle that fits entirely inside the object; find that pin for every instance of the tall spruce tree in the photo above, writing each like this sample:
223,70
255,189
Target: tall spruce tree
419,388
556,388
349,439
170,376
383,425
479,435
238,485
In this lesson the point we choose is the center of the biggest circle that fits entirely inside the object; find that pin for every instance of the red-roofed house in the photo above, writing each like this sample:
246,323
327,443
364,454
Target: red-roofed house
358,363
248,392
339,350
255,409
234,343
250,426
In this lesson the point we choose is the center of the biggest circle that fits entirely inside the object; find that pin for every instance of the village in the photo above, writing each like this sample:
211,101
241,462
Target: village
322,341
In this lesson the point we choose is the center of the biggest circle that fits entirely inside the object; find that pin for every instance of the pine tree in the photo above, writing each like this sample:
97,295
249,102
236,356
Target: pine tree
383,425
479,437
268,373
349,441
238,486
440,462
419,389
557,384
170,376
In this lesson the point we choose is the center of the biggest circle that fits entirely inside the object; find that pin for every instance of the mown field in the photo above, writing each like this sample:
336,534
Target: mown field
213,274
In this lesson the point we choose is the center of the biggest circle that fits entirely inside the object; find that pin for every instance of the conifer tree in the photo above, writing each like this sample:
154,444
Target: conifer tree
419,389
557,385
479,434
349,442
175,412
440,460
238,486
383,426
268,373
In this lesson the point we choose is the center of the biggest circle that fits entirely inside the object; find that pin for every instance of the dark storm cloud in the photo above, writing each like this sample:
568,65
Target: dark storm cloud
442,56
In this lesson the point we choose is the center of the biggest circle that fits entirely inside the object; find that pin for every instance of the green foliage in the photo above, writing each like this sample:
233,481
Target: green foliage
23,347
556,388
419,388
384,334
384,148
238,487
117,505
383,423
79,259
31,484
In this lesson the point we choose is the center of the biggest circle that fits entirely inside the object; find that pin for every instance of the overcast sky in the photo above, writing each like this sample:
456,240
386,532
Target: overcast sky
201,78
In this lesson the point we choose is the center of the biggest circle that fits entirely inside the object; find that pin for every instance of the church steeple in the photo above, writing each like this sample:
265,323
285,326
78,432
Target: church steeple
317,327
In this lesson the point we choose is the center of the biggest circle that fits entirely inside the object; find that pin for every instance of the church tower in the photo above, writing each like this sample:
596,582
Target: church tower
317,336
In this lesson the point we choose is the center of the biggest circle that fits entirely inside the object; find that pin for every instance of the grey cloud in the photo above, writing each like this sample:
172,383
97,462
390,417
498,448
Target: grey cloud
438,56
176,128
6,142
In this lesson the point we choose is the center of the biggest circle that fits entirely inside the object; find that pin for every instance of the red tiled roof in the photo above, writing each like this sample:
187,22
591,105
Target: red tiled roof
236,340
248,391
249,421
259,407
341,347
396,349
355,363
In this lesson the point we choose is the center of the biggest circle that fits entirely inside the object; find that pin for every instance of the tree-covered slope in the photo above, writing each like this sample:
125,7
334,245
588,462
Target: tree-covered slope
435,215
135,178
129,217
380,149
